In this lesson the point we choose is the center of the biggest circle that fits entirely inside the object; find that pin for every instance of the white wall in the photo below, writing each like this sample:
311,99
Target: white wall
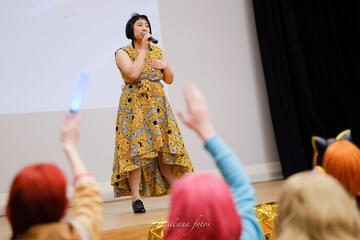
212,43
46,43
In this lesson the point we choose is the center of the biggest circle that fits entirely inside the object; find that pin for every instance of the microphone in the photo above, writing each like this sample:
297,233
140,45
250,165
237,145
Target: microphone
150,38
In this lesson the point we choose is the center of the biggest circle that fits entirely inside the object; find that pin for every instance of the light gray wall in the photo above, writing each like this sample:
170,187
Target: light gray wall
35,137
214,44
210,43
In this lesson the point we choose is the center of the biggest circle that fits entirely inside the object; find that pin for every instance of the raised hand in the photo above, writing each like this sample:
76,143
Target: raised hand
197,117
70,130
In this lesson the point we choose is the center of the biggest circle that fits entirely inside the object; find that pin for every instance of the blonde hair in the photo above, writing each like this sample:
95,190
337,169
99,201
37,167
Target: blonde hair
316,207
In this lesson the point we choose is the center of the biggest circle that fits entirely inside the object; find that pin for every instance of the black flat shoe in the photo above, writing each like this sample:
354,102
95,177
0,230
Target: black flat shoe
138,206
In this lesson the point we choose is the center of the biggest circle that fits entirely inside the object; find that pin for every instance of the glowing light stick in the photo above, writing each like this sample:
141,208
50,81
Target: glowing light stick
79,91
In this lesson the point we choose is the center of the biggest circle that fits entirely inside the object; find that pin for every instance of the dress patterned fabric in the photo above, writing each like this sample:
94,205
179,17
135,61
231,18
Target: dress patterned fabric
146,132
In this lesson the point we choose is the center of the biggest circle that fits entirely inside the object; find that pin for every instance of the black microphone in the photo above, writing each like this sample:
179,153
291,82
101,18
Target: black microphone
150,38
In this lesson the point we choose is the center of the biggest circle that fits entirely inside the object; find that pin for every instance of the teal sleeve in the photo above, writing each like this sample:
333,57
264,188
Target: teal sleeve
242,190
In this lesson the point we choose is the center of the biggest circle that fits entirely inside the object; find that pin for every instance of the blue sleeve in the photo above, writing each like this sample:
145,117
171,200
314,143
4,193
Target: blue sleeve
243,192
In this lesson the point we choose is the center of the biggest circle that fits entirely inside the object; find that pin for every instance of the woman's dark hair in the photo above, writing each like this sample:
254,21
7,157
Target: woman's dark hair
130,26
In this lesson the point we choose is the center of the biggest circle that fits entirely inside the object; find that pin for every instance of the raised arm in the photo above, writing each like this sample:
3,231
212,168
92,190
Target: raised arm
69,139
230,166
88,207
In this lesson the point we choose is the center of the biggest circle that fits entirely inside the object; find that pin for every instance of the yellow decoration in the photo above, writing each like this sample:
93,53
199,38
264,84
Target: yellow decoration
157,230
266,214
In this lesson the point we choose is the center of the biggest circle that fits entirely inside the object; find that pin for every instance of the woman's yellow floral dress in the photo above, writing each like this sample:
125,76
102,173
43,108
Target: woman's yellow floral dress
146,132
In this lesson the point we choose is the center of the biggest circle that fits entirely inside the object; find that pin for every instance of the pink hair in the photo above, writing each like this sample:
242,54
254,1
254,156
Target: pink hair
202,207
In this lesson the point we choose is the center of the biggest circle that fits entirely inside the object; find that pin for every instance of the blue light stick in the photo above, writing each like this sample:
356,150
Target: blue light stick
79,91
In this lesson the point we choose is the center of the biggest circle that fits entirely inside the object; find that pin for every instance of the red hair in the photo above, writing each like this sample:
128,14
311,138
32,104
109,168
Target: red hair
202,207
342,161
37,195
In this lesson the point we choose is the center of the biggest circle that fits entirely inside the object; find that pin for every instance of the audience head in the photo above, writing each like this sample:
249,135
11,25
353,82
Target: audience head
342,161
37,195
202,207
340,158
315,206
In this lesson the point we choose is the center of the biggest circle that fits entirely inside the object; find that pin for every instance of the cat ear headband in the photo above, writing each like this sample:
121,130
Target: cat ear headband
320,145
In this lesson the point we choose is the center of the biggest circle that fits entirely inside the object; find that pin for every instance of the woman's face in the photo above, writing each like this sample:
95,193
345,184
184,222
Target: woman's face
140,26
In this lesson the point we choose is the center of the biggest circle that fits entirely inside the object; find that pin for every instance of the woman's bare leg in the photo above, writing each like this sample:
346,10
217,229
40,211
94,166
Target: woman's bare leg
165,170
134,181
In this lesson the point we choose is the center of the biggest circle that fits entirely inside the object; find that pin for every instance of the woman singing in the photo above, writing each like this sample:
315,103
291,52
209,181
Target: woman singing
149,150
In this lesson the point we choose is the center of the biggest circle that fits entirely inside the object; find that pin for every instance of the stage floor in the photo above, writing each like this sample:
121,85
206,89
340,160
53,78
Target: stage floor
120,222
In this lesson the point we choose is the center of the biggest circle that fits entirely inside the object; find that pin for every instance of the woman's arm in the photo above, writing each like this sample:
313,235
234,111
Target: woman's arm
168,74
133,69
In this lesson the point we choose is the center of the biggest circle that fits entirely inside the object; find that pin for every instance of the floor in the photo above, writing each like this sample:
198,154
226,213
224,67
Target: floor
120,222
